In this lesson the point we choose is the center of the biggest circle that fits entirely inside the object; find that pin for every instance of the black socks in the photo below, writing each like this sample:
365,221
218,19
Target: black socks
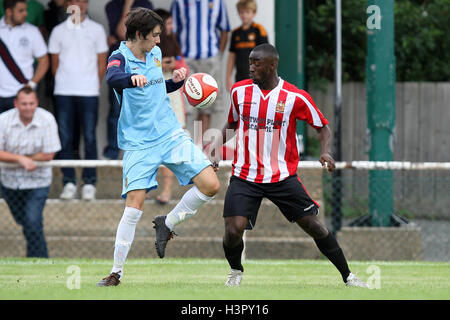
331,249
234,255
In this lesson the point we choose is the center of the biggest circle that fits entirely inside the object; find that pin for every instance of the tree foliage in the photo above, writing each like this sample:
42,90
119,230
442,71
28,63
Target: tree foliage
422,41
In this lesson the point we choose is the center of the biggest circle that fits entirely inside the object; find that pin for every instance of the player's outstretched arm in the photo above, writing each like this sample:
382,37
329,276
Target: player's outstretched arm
325,156
116,76
177,80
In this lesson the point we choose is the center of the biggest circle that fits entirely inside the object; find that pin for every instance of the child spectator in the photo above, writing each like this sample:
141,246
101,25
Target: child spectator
243,40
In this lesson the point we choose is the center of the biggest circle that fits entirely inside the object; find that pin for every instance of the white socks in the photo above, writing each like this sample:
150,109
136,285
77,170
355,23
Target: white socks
192,200
124,237
187,207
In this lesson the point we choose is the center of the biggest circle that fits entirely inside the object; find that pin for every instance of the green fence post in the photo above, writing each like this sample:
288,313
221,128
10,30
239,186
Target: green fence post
380,82
290,43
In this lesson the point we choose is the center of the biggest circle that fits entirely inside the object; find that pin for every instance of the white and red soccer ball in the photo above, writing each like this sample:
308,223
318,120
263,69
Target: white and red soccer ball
200,90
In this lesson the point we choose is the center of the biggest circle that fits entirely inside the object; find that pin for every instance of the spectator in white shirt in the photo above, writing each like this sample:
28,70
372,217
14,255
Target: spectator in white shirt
28,134
20,44
78,49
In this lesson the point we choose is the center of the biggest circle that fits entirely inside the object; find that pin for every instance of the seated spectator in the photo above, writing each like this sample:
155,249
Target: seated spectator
78,53
28,134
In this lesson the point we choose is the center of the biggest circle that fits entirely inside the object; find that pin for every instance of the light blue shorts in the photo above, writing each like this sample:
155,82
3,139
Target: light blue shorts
179,154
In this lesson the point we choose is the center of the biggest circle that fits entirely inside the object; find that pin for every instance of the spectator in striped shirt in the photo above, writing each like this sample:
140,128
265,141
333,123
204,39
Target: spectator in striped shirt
28,134
264,112
197,24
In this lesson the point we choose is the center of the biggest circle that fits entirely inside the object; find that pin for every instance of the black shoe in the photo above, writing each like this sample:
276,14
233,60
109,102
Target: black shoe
109,281
163,234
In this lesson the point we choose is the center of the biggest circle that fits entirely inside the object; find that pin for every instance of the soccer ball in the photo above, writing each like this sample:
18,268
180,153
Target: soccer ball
200,90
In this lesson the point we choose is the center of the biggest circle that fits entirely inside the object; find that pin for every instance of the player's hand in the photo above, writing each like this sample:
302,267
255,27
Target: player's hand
327,162
213,156
179,75
27,163
139,80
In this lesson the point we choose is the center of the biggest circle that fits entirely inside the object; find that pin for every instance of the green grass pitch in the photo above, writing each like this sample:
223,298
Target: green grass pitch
203,279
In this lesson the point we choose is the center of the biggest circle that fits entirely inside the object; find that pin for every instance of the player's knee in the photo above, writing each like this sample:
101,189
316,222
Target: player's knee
312,226
211,188
233,237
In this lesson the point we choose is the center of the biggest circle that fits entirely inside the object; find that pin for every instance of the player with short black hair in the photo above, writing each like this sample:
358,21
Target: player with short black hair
264,112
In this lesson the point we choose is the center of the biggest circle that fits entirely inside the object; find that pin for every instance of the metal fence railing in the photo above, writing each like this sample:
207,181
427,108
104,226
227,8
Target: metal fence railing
416,195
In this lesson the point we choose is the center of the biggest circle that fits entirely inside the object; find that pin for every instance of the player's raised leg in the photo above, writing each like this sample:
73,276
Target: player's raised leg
328,245
206,185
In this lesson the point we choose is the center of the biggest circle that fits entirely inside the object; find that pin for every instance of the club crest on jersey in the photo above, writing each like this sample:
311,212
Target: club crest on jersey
280,107
158,63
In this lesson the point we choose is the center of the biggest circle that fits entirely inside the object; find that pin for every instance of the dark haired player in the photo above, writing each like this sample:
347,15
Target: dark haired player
264,112
150,135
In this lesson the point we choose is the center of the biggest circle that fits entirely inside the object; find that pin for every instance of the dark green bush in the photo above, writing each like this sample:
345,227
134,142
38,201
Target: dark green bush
422,41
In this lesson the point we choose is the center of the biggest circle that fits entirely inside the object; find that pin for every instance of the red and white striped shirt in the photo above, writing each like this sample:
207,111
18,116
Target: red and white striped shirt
266,148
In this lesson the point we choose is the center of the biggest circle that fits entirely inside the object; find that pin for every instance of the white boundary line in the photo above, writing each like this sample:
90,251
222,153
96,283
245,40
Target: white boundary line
203,261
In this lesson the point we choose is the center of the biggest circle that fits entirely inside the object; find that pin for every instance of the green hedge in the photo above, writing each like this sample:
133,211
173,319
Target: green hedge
422,40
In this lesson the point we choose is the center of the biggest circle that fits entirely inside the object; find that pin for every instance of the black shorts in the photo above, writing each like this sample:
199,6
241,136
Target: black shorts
243,198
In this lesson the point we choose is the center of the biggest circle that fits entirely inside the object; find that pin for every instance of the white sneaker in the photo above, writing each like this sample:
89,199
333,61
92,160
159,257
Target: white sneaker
69,191
234,278
353,281
88,192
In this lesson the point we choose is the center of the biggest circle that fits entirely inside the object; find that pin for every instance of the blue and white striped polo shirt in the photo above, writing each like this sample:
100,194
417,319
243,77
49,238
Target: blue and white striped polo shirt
198,24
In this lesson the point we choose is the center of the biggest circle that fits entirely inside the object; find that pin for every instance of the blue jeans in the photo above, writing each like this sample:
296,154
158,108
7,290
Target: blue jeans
6,103
111,151
86,108
26,207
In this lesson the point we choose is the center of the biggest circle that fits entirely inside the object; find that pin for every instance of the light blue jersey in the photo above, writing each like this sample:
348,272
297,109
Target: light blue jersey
148,130
146,117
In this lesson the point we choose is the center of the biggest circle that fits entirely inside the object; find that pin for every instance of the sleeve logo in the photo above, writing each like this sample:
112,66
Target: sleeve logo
113,63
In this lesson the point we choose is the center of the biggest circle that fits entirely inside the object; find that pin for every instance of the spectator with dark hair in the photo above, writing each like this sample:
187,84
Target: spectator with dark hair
20,44
79,52
28,134
55,14
35,11
116,12
150,135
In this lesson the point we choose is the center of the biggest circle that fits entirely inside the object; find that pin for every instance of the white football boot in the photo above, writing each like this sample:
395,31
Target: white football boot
353,281
234,278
